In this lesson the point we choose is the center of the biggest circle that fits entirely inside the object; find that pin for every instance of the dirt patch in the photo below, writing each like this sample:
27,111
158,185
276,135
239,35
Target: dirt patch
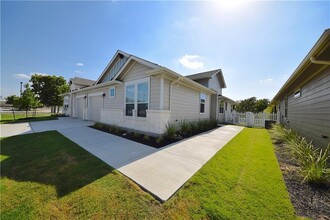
308,200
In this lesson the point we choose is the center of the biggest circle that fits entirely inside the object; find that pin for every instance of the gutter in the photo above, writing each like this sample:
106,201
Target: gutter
322,62
95,87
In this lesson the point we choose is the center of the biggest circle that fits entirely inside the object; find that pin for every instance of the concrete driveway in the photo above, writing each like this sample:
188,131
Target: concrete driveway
7,130
160,171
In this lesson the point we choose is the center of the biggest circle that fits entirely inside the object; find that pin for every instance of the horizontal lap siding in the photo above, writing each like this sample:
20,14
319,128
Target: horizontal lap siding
186,104
310,114
166,99
136,72
214,84
118,101
154,93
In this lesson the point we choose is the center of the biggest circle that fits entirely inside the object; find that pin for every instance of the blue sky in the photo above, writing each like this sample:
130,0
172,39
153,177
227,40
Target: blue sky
257,44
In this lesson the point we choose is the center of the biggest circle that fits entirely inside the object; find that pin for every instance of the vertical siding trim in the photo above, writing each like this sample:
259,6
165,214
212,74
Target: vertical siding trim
161,99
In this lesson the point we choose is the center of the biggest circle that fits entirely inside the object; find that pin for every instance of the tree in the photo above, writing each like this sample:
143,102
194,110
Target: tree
11,99
48,89
252,105
27,100
260,105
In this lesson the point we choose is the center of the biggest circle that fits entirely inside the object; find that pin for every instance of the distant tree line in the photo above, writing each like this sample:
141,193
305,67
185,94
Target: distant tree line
44,91
252,105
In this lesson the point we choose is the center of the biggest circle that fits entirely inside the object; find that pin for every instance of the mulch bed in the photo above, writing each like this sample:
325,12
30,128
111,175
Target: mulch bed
311,201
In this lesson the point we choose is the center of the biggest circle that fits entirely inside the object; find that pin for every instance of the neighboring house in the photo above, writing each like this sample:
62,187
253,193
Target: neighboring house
137,94
303,102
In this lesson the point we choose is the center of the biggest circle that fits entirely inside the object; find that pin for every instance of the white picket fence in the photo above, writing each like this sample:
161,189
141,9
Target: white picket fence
248,118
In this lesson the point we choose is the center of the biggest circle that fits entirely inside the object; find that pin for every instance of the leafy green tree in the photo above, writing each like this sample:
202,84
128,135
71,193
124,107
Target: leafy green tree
252,105
260,105
11,99
27,101
48,89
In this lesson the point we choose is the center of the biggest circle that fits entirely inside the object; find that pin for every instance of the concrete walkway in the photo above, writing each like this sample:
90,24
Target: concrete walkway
160,171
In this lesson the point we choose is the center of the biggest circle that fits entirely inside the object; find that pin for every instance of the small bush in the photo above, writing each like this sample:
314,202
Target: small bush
313,162
170,131
146,137
159,140
184,129
136,134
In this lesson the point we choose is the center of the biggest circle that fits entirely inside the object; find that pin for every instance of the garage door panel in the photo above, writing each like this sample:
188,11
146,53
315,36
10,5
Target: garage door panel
80,107
95,107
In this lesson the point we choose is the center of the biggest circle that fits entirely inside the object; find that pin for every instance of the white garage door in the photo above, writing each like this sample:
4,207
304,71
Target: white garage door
95,106
80,107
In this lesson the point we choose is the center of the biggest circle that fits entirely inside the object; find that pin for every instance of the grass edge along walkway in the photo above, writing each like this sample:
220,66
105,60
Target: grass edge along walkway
242,180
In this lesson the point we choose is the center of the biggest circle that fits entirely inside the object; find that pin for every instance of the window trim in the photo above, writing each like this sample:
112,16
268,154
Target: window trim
202,103
135,83
297,93
114,94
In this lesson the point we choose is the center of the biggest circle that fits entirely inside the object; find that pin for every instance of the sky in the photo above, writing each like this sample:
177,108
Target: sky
256,44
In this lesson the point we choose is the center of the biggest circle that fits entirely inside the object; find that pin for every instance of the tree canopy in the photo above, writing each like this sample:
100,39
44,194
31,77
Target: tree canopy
252,105
27,100
11,99
48,89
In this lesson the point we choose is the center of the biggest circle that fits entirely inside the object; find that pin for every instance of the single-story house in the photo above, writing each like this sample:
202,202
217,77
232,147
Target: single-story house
140,95
303,102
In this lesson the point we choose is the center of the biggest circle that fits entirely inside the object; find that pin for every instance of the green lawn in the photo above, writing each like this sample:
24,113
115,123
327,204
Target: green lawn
21,117
45,175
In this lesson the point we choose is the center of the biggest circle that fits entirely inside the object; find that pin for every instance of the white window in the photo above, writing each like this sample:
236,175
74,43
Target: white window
202,98
112,92
137,98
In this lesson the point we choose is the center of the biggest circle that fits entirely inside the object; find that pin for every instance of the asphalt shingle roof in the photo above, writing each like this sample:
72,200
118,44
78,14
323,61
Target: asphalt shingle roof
203,75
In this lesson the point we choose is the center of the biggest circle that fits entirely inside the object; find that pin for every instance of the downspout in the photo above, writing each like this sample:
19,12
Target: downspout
315,61
171,90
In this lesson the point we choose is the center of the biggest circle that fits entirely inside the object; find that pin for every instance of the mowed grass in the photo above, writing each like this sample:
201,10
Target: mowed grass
8,117
45,175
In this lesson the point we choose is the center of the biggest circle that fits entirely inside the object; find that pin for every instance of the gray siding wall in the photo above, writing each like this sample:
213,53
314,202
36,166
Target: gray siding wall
310,114
215,85
186,104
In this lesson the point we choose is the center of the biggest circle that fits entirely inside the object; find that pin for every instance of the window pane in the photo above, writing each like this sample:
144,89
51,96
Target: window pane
202,97
129,109
142,110
202,108
112,92
142,92
130,94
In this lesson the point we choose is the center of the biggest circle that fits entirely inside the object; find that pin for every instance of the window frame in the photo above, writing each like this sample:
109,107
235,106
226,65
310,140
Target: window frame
135,109
114,92
202,103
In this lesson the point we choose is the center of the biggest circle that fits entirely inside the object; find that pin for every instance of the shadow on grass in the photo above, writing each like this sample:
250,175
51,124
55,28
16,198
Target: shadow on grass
52,159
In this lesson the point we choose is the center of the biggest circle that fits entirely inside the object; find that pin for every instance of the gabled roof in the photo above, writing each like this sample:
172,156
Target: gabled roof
222,97
130,58
208,75
81,81
316,60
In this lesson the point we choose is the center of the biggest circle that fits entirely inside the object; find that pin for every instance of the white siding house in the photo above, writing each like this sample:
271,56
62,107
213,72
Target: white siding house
137,94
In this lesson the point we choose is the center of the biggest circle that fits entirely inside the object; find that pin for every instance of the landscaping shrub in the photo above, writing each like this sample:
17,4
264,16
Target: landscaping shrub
184,129
313,162
170,131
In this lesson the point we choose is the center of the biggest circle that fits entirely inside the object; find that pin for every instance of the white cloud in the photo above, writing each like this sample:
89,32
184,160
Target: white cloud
21,76
266,81
80,64
191,61
27,76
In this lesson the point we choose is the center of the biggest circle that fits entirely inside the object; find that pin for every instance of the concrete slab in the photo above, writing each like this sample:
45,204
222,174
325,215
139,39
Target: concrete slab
113,150
7,130
61,123
165,171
